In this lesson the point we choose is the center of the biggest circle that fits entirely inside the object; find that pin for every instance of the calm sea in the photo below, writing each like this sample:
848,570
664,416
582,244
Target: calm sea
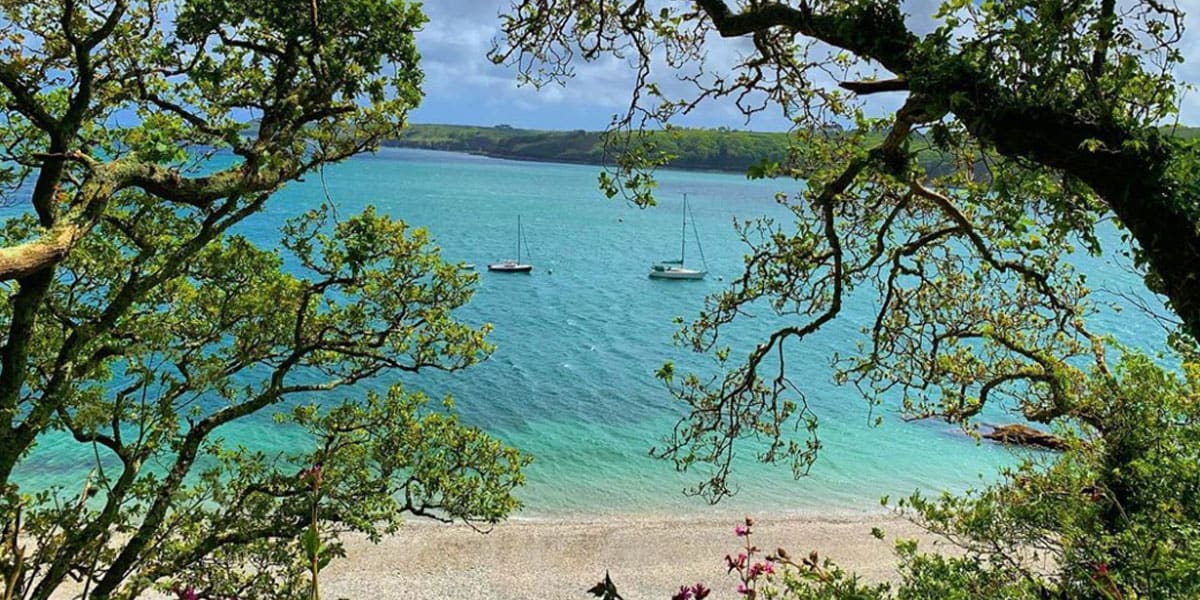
578,340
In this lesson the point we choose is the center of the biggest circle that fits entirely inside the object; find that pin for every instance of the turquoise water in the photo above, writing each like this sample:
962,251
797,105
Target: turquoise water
578,341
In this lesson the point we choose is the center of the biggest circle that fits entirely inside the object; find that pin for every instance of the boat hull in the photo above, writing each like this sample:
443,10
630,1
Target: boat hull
510,268
677,273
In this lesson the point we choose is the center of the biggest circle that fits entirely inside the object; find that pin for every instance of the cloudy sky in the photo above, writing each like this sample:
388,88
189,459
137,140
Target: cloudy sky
463,87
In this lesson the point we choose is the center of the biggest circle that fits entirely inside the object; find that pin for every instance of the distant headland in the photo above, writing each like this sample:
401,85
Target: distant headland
720,149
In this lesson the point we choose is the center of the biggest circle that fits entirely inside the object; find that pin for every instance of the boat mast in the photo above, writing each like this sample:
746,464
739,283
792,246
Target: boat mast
518,239
683,236
696,233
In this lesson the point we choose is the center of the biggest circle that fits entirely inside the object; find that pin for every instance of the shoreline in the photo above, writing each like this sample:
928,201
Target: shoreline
648,556
552,161
709,514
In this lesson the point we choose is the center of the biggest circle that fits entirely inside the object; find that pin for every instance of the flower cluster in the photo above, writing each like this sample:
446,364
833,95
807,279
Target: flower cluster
736,563
1104,582
762,568
311,476
185,593
695,592
750,571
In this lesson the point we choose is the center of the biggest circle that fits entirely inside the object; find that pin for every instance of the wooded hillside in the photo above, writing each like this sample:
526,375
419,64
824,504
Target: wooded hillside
711,149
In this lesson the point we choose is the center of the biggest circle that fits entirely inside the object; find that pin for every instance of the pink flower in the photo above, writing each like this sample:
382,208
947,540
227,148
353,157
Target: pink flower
761,568
741,530
696,592
735,563
185,593
311,475
743,590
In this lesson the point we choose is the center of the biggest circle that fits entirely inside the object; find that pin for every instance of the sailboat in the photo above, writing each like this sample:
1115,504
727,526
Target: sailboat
509,265
674,269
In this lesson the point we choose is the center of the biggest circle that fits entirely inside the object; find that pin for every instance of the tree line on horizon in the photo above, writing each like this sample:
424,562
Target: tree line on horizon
702,149
690,148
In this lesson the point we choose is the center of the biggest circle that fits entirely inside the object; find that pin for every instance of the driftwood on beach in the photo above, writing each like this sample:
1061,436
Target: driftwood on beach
1023,435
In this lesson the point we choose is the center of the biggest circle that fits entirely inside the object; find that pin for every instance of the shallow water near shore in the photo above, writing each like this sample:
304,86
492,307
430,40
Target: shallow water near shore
578,340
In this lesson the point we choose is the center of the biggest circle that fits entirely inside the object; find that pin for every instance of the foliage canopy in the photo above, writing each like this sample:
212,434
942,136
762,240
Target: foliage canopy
1049,114
140,327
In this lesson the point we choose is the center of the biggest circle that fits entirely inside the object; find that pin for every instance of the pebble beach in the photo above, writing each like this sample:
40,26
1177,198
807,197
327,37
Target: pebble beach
549,559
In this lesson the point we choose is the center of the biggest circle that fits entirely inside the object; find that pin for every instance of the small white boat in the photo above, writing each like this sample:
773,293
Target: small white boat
466,266
674,269
670,271
509,265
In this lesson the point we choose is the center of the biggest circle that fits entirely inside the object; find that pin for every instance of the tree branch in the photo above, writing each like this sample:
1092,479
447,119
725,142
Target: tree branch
24,100
863,88
22,260
874,30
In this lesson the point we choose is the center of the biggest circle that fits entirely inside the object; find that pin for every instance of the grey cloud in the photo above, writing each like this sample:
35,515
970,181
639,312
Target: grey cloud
455,42
454,46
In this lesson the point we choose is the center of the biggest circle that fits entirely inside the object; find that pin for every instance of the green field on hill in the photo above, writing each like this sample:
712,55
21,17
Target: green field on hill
698,149
712,149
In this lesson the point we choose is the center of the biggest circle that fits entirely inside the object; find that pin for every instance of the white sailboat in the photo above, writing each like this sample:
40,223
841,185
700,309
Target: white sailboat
509,265
675,269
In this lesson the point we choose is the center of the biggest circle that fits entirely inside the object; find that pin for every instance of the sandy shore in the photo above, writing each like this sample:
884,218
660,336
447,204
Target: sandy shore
649,558
543,559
